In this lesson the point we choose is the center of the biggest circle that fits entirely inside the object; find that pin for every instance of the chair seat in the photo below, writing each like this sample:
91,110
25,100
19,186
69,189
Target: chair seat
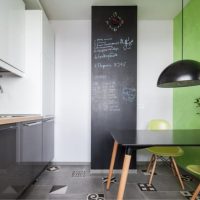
194,169
166,151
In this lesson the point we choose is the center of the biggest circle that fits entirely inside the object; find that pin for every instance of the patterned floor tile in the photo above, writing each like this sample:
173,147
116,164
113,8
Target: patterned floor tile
105,179
146,187
58,189
79,173
188,194
186,178
95,197
132,192
144,171
52,168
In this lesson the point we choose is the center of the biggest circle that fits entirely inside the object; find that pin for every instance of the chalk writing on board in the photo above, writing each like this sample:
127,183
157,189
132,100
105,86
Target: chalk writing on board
126,43
109,65
105,56
102,66
129,94
108,48
105,96
119,64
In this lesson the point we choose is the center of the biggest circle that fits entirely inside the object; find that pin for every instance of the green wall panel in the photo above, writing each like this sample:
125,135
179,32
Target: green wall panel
184,109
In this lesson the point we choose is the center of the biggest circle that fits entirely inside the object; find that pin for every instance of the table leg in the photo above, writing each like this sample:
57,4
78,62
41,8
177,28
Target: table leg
125,169
112,163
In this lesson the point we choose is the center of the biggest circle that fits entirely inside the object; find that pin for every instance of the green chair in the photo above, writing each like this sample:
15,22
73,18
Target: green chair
159,152
196,170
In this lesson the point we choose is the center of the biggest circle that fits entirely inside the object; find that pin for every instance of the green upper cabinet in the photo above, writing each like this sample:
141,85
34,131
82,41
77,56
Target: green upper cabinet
185,110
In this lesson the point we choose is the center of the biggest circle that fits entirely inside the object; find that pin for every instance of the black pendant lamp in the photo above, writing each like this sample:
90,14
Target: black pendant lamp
182,73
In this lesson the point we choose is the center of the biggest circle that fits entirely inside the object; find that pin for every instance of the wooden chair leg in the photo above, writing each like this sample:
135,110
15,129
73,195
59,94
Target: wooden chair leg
153,170
150,164
178,173
196,193
112,163
172,167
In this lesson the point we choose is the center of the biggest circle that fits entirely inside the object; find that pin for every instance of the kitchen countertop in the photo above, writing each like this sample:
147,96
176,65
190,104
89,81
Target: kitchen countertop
16,119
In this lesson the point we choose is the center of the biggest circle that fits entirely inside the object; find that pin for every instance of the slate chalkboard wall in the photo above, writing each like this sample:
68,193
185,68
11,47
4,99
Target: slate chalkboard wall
114,79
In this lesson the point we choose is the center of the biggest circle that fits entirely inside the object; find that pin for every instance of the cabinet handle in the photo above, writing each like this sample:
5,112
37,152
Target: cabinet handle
32,124
7,128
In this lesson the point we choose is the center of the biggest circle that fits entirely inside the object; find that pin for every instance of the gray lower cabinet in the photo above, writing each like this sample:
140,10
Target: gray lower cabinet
25,150
48,140
31,147
31,142
9,166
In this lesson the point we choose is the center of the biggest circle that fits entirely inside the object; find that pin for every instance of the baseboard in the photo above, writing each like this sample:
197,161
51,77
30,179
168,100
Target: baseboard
70,163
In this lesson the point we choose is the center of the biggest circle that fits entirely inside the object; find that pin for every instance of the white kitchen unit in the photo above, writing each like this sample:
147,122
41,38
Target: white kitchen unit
12,36
40,58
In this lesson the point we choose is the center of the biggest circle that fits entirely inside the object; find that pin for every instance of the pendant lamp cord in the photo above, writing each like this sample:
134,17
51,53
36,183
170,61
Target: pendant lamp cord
182,29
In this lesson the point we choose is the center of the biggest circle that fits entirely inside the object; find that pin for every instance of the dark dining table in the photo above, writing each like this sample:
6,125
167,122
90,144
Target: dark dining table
140,139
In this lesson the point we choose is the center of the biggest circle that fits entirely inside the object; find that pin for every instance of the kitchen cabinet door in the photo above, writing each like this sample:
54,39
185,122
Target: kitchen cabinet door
48,76
48,96
9,173
31,147
40,40
12,37
31,142
48,140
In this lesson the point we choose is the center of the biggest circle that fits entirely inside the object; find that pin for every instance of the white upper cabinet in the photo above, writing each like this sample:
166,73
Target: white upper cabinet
40,56
48,68
12,36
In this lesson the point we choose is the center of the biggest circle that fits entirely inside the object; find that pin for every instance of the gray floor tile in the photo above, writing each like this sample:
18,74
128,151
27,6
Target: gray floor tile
37,192
53,179
66,173
137,178
172,195
167,185
35,196
69,196
85,185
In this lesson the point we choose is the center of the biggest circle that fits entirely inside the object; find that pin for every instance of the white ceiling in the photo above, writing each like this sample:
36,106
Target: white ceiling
81,9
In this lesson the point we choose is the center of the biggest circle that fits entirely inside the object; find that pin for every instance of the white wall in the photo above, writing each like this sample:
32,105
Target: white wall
20,95
73,71
155,52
